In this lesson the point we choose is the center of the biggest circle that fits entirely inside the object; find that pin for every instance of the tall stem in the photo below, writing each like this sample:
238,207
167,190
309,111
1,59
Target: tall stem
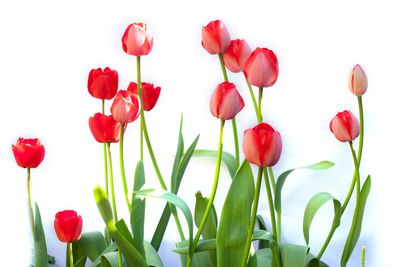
70,255
112,184
105,153
326,243
139,86
214,188
252,218
30,203
122,165
253,99
260,95
222,63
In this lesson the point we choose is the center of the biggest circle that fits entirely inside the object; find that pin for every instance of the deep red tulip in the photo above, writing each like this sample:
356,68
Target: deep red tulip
104,128
358,81
137,39
68,226
125,107
215,37
103,84
28,153
150,94
345,126
262,145
226,101
236,55
261,68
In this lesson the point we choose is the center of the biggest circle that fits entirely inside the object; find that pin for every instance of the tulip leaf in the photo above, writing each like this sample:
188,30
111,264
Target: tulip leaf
200,258
91,245
227,159
315,203
312,261
111,248
78,255
235,218
110,259
40,247
153,259
161,227
263,226
293,255
352,240
178,154
138,209
261,258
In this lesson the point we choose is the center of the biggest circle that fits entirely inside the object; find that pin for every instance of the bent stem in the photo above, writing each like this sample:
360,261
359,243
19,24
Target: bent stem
30,203
70,254
326,243
122,165
214,188
252,218
112,184
253,99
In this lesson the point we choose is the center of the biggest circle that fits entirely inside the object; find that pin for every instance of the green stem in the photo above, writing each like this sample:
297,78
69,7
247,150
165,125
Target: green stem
253,99
122,165
252,218
260,95
112,184
214,188
139,86
326,243
362,256
105,154
71,255
30,203
221,62
119,258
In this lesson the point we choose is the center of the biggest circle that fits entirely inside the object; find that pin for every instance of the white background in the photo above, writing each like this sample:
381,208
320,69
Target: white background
47,49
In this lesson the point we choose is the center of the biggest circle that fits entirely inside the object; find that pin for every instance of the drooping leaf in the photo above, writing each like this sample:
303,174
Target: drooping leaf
40,246
138,209
110,259
227,159
293,255
235,218
112,247
152,257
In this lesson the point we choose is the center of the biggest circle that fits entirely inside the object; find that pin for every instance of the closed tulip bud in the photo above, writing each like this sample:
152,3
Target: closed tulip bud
261,69
103,84
345,126
235,57
358,81
68,226
226,101
104,128
215,37
150,94
262,145
28,153
125,107
137,39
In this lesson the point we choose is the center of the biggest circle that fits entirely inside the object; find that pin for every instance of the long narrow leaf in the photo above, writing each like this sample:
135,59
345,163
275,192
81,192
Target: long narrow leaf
91,244
227,159
293,255
138,209
152,257
39,241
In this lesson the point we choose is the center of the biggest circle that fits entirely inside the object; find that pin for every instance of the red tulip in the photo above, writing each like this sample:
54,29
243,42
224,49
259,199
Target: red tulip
215,37
226,101
358,81
28,153
104,128
137,39
150,94
261,68
236,55
345,126
68,226
103,84
262,145
125,107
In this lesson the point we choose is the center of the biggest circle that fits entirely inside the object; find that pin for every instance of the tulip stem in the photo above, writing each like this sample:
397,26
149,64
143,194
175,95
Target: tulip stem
362,256
253,98
222,63
214,188
252,218
122,165
112,184
70,254
30,203
105,154
260,95
139,86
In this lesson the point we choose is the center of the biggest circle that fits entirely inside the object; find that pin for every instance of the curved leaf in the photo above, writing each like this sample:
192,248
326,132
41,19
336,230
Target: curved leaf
227,159
110,248
91,244
152,257
293,255
110,259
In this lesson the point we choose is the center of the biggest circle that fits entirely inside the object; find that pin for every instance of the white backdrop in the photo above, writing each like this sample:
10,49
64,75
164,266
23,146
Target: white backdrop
47,49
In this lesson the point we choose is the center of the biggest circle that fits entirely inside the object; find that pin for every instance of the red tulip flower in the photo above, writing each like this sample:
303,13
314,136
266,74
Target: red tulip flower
215,37
226,101
104,128
68,226
125,107
150,94
28,153
137,39
261,68
235,57
262,145
103,84
345,126
358,81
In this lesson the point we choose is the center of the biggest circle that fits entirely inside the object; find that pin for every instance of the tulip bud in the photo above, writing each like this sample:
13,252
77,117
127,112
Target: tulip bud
103,84
68,226
226,101
104,128
125,107
104,206
262,145
28,153
261,69
215,37
150,94
345,126
358,81
137,39
236,55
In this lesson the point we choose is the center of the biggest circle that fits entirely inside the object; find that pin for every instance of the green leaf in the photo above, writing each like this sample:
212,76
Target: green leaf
293,255
153,259
263,226
78,255
312,261
178,153
235,218
200,258
261,258
110,259
91,245
315,203
227,159
351,241
161,227
138,209
110,248
40,247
